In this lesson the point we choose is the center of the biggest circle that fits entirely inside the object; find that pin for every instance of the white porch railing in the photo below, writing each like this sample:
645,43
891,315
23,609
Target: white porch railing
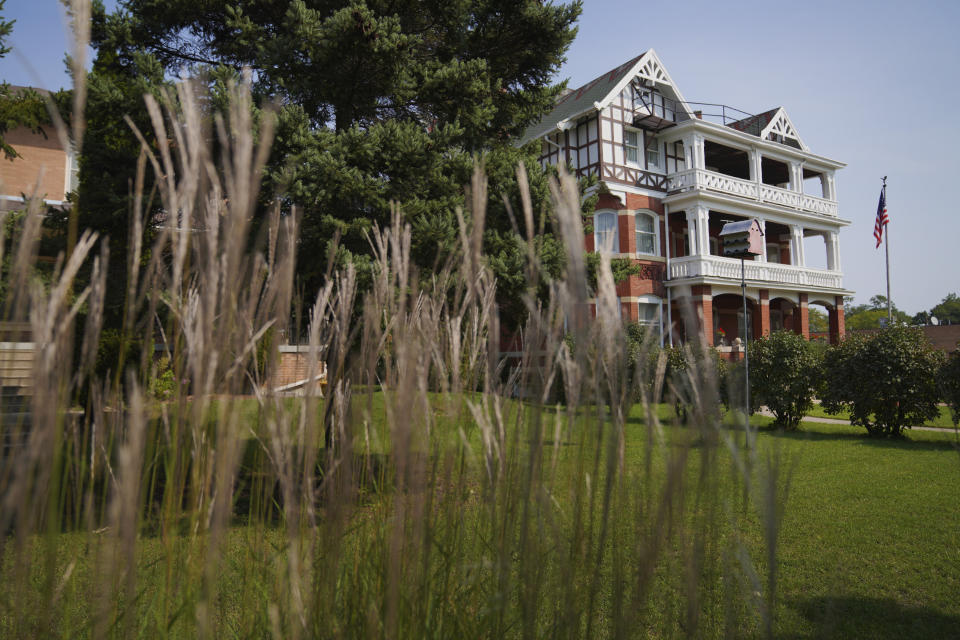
713,181
720,267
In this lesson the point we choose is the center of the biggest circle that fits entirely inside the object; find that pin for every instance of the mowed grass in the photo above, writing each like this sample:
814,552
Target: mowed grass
943,421
869,545
870,542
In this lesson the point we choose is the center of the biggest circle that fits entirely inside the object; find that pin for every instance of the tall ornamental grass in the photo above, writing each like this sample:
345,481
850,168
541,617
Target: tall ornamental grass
437,489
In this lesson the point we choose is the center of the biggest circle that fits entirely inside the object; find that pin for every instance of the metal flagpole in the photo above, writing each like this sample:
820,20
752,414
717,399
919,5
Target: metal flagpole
886,244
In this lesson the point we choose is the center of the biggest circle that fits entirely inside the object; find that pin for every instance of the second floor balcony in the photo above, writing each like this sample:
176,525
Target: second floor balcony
710,266
705,180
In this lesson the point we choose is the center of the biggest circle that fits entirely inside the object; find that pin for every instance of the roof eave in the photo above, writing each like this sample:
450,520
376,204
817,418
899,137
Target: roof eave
751,140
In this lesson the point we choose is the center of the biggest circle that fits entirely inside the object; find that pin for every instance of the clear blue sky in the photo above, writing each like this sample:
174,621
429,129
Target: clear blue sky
869,84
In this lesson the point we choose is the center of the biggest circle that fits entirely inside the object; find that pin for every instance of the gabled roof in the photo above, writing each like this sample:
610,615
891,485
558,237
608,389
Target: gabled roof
754,124
597,94
775,121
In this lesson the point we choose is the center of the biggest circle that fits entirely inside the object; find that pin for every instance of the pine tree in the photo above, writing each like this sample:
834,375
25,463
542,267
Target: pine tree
380,102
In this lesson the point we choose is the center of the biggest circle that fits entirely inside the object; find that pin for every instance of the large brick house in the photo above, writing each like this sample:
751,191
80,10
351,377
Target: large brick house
673,172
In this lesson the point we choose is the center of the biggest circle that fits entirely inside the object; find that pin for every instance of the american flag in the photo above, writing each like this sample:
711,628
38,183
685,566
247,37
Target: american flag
881,218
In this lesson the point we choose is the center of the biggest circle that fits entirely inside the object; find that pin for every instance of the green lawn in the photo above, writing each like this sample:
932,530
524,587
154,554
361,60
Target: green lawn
870,540
944,420
868,545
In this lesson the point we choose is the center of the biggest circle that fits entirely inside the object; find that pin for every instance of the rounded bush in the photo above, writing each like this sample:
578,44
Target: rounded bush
784,370
950,384
887,380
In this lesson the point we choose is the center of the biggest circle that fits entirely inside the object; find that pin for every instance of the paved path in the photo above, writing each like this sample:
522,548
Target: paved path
766,412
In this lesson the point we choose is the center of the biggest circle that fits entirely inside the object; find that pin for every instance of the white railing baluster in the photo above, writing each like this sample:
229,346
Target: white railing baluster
713,181
720,267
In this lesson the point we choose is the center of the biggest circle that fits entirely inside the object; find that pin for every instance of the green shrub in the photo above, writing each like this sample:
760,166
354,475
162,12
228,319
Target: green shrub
163,383
784,369
887,381
950,384
643,353
691,371
109,356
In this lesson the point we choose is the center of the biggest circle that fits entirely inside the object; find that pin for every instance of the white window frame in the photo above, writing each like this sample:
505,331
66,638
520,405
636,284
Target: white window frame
657,324
655,150
656,232
597,245
638,148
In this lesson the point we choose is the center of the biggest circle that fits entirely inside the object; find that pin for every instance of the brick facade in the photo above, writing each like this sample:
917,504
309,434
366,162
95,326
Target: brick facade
291,366
703,307
653,271
764,313
42,158
943,337
837,328
803,326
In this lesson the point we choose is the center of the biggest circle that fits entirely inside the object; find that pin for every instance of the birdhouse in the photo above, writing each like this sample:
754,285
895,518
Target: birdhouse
742,239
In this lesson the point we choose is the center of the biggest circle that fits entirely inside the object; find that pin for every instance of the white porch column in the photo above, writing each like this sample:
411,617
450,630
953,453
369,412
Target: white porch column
690,153
703,230
763,229
756,166
701,154
836,252
796,177
692,231
833,250
829,185
796,245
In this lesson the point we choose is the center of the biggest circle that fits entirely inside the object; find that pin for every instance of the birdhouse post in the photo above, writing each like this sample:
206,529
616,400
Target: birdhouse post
741,240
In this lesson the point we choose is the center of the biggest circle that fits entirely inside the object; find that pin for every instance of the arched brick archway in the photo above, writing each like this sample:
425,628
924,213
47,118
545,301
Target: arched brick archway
727,316
835,329
784,315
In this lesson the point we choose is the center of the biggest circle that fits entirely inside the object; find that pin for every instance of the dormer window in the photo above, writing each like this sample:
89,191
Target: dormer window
649,101
643,99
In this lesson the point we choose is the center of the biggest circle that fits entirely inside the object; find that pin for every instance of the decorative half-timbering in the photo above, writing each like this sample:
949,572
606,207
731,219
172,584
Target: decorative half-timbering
674,173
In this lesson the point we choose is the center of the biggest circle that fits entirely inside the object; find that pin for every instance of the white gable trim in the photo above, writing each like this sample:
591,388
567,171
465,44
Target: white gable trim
649,67
781,124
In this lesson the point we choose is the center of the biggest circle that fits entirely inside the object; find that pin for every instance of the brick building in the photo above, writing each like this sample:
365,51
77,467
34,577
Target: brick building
44,167
673,172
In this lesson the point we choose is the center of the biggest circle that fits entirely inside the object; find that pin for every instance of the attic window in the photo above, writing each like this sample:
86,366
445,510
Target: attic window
653,103
782,139
781,130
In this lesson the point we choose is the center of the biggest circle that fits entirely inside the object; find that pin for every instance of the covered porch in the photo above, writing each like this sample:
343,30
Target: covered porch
716,311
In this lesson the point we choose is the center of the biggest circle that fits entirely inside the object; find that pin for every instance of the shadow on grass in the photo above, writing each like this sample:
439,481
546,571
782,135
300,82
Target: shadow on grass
904,442
864,617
